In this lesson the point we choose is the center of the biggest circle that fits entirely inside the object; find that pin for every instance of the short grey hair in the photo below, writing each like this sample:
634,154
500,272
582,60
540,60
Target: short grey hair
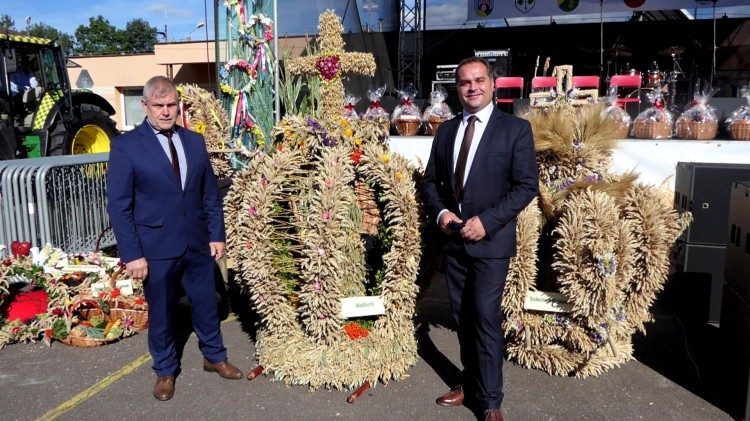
158,86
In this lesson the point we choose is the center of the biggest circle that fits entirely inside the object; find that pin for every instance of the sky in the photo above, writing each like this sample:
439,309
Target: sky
182,17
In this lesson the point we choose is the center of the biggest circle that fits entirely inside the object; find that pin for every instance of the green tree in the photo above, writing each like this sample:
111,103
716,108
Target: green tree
138,37
6,22
42,30
99,37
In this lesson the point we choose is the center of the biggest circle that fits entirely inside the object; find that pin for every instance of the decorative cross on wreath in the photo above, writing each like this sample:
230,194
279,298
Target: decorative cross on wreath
330,64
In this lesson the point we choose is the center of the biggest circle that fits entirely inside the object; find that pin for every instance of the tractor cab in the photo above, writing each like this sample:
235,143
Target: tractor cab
40,115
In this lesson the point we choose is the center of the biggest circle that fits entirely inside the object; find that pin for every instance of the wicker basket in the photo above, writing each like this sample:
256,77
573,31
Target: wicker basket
87,342
647,129
623,130
740,130
120,309
696,130
87,313
432,124
407,127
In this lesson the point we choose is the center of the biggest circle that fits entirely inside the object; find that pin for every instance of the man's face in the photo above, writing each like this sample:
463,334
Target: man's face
474,87
162,111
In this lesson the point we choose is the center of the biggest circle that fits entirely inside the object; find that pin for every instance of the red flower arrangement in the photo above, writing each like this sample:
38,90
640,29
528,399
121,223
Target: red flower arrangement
328,66
356,155
355,331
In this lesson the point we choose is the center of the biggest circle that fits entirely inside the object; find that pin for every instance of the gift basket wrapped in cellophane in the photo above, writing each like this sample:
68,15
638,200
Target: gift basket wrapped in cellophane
699,121
407,117
376,111
350,109
655,122
738,123
618,114
437,112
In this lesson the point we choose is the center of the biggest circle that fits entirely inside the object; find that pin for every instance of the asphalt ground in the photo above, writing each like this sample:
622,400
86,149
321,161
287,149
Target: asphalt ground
681,372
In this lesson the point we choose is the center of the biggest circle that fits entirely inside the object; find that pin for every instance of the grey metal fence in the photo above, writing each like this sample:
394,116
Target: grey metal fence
58,200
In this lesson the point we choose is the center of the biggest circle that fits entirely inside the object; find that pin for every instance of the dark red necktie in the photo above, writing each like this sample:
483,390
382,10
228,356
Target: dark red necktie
173,152
458,175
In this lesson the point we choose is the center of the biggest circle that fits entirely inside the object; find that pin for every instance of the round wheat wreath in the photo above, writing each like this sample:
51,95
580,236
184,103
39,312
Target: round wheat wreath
602,240
293,229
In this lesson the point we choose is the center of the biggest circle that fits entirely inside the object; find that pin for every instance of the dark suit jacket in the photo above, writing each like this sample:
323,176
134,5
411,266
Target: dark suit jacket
503,180
150,214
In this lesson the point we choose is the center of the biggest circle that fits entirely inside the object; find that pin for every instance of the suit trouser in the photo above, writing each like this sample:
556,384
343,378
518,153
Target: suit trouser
475,287
195,272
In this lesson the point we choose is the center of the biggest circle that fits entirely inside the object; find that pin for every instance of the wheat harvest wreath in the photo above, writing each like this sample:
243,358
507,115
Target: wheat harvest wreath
296,233
601,241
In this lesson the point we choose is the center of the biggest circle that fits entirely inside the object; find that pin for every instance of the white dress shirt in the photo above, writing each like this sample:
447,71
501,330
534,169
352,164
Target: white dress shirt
483,116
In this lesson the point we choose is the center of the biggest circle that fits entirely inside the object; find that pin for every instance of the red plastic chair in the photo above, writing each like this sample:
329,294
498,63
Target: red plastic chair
543,82
618,82
507,83
585,82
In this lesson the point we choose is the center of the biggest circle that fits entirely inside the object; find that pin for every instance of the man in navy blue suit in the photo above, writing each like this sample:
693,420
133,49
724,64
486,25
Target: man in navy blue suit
165,211
481,174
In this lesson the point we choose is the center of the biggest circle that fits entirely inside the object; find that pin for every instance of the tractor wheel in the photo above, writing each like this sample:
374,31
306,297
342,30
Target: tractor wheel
91,133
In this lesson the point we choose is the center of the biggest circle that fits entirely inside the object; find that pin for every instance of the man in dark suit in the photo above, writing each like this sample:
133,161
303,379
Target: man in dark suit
165,211
481,174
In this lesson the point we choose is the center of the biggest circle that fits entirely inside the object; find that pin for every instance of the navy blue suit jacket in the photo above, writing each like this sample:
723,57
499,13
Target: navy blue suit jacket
150,214
502,181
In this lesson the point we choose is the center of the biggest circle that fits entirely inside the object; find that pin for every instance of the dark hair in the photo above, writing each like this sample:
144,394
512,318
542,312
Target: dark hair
470,60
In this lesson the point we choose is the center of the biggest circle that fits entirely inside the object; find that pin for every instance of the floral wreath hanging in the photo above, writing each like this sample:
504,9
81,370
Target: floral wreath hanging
230,68
295,232
256,33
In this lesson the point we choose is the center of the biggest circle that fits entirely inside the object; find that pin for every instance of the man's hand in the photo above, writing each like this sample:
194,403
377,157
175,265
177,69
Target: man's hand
137,269
217,250
446,218
473,230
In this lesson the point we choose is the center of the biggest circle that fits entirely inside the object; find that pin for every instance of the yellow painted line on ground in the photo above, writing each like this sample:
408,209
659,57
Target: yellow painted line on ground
102,385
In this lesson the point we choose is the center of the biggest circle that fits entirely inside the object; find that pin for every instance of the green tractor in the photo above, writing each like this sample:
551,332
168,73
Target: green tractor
40,115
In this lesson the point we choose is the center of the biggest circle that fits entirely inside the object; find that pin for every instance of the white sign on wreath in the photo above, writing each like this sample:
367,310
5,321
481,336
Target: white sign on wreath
362,306
547,301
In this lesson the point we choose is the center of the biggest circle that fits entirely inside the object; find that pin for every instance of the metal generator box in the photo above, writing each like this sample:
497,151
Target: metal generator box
703,189
737,263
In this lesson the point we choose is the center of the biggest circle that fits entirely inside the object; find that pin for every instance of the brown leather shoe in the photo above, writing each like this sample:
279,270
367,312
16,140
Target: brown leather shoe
164,388
453,398
224,368
493,415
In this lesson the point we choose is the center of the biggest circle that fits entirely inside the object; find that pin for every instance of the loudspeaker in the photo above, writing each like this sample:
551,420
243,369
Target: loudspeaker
704,189
499,60
500,66
706,260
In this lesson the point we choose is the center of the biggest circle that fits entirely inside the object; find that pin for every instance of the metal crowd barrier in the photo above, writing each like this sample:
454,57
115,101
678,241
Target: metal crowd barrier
57,200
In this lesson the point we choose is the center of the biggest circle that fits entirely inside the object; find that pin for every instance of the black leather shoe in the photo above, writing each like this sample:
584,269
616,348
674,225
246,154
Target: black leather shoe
453,398
164,388
224,368
493,415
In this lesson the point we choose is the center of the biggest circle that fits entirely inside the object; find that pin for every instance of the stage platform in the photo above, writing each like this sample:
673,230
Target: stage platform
654,160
